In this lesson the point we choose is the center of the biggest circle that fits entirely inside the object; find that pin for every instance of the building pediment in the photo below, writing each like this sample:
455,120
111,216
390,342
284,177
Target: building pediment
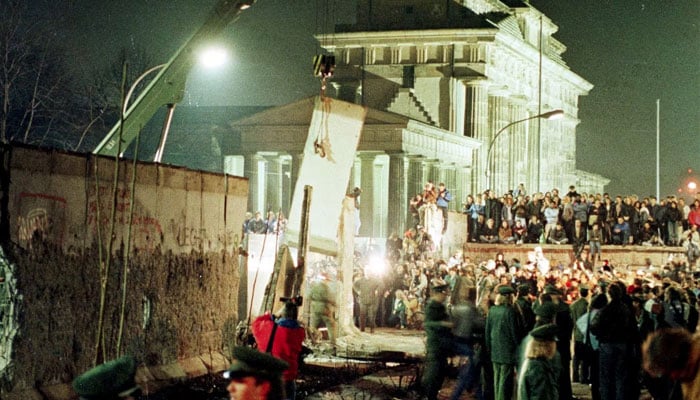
284,129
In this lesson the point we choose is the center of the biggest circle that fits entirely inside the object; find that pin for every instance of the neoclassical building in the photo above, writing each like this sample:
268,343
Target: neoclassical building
454,90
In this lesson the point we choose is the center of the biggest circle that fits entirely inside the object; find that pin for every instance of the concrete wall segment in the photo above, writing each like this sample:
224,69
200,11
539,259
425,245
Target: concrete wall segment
183,274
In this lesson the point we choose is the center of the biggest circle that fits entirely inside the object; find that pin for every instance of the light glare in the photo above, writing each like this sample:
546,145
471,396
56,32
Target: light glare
213,57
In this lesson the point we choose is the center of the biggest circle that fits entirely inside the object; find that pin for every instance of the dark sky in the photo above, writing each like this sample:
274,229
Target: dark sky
634,52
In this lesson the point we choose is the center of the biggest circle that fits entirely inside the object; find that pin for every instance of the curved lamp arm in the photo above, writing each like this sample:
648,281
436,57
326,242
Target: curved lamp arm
548,115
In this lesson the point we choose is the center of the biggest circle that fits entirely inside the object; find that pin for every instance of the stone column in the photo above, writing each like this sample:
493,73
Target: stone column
367,197
273,189
431,172
458,107
399,195
416,178
448,176
380,190
462,186
252,171
519,149
287,185
500,153
477,127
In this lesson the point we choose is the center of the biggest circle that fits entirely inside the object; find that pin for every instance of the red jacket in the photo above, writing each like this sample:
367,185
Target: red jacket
694,217
287,342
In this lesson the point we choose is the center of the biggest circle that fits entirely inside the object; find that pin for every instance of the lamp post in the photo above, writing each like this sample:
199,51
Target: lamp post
554,114
211,57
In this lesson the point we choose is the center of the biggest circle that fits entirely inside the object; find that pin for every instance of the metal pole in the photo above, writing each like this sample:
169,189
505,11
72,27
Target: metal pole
303,241
539,111
658,190
164,133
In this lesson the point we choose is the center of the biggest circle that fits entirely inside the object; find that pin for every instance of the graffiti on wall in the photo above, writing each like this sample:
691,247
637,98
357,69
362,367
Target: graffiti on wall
42,217
201,238
9,303
146,230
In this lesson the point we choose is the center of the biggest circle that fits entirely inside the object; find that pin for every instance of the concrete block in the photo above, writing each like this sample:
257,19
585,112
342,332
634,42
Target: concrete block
62,391
30,394
215,362
167,372
193,367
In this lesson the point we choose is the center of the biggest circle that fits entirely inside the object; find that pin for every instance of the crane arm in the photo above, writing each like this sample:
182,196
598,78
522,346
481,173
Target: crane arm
168,86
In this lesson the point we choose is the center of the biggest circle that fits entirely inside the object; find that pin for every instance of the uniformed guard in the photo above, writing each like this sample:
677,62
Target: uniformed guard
539,372
255,375
438,347
109,381
503,335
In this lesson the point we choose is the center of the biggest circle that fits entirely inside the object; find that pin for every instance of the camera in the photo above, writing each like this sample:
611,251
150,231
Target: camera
297,300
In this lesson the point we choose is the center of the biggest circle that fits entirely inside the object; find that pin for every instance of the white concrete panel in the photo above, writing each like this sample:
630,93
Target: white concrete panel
336,125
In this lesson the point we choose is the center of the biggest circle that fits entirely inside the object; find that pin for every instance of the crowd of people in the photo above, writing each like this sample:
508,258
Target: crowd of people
527,330
581,219
504,316
517,322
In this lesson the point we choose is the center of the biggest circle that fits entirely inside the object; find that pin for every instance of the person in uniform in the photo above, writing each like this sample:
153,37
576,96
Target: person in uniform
255,375
438,347
368,291
468,332
112,380
323,306
581,365
539,371
503,335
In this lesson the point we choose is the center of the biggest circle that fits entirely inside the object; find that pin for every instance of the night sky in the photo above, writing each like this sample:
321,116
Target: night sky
634,52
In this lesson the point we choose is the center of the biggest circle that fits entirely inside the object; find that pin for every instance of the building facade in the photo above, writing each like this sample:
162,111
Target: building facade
444,82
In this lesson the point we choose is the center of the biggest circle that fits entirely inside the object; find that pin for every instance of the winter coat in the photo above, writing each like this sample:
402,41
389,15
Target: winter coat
538,379
286,344
502,334
439,337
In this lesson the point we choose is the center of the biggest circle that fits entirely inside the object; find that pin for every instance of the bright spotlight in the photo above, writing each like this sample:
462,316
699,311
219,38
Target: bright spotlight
213,57
692,185
376,266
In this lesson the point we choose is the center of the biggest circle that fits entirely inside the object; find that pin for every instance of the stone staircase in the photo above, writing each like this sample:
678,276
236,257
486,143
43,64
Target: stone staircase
406,103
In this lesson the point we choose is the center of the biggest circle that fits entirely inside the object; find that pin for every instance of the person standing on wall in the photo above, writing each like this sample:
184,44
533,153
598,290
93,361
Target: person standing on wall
444,197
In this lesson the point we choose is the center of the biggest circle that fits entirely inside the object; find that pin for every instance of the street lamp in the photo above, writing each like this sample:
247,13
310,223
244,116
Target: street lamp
168,86
211,58
554,114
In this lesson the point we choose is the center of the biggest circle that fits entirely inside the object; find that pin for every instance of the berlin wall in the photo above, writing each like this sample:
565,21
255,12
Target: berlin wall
171,283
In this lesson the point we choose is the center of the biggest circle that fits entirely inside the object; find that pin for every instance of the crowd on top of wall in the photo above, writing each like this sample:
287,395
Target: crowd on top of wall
577,219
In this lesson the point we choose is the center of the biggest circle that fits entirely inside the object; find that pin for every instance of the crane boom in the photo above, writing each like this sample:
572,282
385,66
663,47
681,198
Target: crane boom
168,87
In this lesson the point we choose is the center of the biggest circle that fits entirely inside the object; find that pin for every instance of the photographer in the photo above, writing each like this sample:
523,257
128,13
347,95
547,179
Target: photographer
282,337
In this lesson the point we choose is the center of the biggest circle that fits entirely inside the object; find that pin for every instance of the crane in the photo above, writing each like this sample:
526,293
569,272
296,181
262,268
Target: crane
168,86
